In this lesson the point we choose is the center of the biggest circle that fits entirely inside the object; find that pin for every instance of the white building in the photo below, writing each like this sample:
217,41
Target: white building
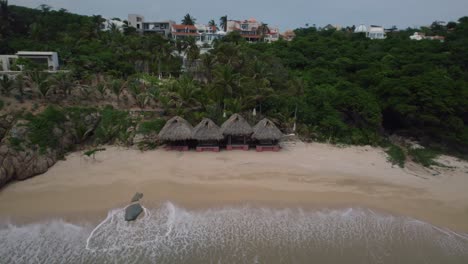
372,32
421,36
273,35
204,35
418,36
249,30
41,57
207,34
109,23
161,27
376,32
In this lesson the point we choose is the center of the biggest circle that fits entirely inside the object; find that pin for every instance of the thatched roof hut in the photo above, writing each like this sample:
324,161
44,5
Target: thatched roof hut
236,125
207,130
176,129
266,130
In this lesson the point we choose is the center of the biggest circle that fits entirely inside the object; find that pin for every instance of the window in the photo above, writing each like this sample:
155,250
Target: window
139,19
245,26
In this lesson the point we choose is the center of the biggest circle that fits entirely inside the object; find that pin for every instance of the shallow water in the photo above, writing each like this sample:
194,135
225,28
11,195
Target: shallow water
170,234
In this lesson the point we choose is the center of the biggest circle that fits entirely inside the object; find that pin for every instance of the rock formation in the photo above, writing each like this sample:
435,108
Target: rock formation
21,159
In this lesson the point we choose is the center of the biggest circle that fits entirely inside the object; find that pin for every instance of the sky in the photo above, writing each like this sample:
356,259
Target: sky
285,14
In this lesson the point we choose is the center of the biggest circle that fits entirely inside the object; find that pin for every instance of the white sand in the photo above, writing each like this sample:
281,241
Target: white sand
315,175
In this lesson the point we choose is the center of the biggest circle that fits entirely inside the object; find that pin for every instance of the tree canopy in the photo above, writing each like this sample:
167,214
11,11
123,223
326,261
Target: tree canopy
341,86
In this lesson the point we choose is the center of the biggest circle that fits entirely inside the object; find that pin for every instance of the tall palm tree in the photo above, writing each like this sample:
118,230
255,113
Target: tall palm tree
188,20
225,83
262,30
212,23
223,23
208,62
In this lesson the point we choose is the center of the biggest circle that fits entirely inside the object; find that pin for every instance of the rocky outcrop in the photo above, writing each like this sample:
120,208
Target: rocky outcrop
5,124
21,159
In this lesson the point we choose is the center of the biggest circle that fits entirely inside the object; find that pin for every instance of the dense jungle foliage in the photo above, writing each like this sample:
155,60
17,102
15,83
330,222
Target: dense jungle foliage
337,85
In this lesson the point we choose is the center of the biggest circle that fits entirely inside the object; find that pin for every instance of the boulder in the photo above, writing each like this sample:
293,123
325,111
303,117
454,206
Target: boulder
133,211
137,197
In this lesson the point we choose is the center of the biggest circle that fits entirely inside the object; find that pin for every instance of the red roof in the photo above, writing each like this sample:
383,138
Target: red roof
184,33
189,27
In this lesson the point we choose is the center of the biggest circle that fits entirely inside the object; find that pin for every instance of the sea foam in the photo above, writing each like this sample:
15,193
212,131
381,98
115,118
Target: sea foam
170,234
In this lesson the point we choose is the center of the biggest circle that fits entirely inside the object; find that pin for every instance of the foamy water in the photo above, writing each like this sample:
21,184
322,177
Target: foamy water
170,234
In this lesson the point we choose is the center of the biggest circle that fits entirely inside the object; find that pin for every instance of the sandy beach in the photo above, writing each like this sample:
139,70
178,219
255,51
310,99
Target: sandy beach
304,175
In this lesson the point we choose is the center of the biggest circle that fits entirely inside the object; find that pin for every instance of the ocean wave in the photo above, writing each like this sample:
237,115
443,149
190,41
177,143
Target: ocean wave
171,234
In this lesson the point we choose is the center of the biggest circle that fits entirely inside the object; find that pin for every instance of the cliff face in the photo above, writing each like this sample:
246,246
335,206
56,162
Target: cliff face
21,159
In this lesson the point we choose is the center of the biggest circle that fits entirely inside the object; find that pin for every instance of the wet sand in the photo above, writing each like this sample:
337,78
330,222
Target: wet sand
306,175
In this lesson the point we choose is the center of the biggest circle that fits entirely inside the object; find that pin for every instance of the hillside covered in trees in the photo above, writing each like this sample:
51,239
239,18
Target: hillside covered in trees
337,85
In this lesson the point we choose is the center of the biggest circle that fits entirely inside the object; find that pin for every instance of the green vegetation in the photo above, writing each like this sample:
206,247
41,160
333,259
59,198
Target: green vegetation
338,86
153,126
396,155
2,104
46,127
93,152
113,126
424,156
15,143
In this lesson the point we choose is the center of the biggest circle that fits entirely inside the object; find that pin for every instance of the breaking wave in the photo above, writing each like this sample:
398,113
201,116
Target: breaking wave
170,234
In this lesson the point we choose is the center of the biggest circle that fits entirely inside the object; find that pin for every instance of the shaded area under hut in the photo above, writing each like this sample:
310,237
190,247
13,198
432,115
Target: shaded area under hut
236,130
267,135
176,134
208,135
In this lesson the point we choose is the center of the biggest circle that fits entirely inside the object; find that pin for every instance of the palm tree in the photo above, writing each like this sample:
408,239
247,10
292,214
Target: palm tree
223,23
117,86
225,83
39,81
212,23
188,20
62,82
193,52
207,65
262,30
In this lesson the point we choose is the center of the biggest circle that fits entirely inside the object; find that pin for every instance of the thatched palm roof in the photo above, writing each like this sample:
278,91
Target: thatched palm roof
176,129
266,130
207,130
236,125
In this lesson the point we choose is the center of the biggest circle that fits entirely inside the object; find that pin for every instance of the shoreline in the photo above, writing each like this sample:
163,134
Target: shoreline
309,176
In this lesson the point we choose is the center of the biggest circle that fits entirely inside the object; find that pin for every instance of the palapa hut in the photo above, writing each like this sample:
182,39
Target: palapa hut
176,133
237,130
267,135
208,135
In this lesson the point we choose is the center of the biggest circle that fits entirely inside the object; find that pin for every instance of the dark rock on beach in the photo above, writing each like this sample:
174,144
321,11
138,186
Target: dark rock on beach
136,197
133,211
